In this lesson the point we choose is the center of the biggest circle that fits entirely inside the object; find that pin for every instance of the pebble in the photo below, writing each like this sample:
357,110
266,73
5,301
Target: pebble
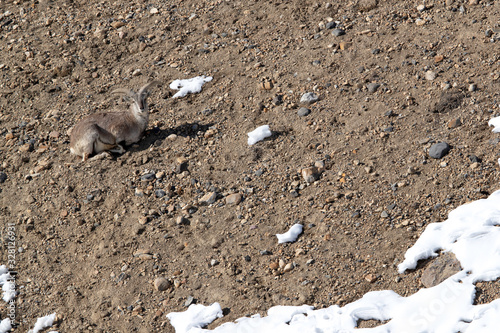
421,8
454,123
309,98
310,262
419,21
181,220
189,301
274,265
3,177
214,262
430,75
162,283
439,150
265,252
472,87
153,11
288,267
233,199
370,278
384,214
372,87
310,174
338,32
160,193
208,199
148,177
302,112
331,25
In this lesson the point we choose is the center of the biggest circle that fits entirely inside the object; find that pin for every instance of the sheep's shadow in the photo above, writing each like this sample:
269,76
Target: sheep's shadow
156,136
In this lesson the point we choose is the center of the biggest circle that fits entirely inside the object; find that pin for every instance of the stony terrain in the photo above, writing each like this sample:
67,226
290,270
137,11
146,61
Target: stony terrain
190,213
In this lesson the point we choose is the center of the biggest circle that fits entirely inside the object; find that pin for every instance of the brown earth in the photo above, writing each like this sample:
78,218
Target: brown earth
92,237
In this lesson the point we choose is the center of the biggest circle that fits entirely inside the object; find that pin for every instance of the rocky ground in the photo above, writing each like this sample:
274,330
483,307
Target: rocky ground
190,213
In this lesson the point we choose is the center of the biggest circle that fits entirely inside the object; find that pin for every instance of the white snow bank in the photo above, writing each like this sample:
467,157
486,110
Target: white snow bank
470,232
196,316
495,122
189,86
258,134
7,286
43,322
5,325
291,235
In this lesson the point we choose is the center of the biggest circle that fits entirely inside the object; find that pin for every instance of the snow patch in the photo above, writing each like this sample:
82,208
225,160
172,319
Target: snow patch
495,122
7,286
43,322
189,86
195,317
258,134
291,235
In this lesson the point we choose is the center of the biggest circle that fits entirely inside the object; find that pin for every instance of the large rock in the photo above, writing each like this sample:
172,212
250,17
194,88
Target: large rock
439,150
440,269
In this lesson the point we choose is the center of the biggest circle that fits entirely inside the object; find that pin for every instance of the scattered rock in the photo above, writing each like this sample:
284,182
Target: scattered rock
430,75
162,284
208,199
372,87
302,112
288,267
454,123
233,199
370,278
310,174
439,150
3,177
182,220
309,98
441,268
338,32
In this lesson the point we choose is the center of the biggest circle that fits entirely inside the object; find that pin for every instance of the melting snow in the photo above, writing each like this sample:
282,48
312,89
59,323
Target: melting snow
258,134
189,86
291,235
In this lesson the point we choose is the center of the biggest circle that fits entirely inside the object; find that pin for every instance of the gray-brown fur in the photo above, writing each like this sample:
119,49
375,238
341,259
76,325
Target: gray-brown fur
105,131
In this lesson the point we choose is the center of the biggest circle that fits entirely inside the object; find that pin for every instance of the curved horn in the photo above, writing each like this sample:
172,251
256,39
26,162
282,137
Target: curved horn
146,87
124,91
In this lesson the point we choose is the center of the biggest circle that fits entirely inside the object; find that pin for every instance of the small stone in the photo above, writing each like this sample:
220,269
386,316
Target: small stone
419,22
299,252
288,267
368,169
54,134
63,213
208,199
3,177
153,11
9,136
162,284
473,2
421,8
309,98
430,75
488,33
338,32
372,87
117,24
143,220
310,262
370,278
440,269
330,25
266,85
189,301
439,150
214,262
302,112
139,192
274,265
233,199
384,214
148,177
438,58
454,123
472,87
181,220
310,174
160,193
474,165
345,45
